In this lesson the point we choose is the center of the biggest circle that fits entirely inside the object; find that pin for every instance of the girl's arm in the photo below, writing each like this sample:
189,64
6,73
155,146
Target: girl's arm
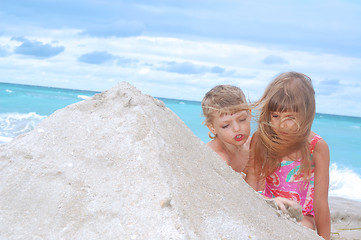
321,158
251,177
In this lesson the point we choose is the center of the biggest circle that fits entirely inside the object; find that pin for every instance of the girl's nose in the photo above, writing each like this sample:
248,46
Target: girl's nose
287,123
283,124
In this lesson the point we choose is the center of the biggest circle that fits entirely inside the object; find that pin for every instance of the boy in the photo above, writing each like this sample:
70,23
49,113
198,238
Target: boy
227,116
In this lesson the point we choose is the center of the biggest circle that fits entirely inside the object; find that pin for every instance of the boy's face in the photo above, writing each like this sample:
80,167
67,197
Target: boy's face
284,123
232,128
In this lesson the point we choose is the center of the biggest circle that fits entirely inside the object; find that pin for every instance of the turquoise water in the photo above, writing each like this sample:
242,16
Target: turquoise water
24,106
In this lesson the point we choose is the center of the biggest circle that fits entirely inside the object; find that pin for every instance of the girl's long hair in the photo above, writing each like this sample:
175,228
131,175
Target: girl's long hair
288,92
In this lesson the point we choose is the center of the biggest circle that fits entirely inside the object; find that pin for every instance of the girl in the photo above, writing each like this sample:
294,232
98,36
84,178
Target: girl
227,116
288,160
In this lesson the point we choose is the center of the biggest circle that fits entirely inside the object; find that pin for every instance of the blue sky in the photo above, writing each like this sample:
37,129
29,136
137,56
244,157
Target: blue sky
181,49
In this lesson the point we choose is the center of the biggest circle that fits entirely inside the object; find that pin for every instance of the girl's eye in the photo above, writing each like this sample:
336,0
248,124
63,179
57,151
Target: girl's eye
274,115
225,126
242,119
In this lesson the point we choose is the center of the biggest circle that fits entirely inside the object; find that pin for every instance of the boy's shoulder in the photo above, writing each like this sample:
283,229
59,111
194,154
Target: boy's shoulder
215,146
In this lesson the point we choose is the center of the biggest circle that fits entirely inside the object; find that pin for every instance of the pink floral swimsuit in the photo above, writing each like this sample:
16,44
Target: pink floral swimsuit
287,182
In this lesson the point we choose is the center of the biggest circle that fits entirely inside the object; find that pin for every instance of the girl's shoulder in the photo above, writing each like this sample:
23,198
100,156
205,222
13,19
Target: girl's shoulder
318,144
254,137
312,136
255,134
314,139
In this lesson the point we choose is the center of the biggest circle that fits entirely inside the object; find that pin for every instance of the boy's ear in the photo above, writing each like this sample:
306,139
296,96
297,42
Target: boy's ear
211,128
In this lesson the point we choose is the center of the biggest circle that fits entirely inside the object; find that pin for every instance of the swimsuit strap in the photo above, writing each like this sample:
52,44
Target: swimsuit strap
315,139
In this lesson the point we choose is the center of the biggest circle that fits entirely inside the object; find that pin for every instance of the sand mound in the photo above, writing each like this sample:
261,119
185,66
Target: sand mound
123,166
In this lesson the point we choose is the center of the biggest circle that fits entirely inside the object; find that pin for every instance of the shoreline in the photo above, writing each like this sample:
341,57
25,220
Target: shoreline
338,197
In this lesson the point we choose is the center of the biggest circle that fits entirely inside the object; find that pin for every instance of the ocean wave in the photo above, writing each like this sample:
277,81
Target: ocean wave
343,182
83,97
14,124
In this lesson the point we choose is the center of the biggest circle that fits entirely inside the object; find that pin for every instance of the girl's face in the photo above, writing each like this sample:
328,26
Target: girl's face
232,128
284,123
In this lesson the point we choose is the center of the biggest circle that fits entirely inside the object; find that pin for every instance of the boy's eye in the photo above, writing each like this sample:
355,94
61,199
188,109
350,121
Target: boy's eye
242,119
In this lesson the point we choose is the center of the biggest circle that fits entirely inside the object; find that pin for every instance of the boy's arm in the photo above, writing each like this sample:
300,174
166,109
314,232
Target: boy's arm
321,157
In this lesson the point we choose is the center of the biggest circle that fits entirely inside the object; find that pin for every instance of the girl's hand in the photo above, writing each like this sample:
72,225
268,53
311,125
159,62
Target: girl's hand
284,204
289,207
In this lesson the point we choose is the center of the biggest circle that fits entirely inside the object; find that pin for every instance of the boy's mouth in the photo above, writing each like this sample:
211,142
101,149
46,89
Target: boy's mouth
239,137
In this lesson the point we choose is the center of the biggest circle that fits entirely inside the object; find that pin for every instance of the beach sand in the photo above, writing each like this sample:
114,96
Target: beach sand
345,218
121,165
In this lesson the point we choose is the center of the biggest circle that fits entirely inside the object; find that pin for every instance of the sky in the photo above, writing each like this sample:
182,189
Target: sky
181,49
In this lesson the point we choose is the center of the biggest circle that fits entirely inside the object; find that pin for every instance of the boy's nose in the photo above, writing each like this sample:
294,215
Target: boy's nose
236,127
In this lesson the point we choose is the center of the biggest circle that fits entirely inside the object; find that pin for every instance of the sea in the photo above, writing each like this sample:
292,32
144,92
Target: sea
22,107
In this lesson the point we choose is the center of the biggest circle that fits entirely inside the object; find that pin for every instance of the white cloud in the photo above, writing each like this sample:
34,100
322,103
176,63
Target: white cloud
191,66
182,49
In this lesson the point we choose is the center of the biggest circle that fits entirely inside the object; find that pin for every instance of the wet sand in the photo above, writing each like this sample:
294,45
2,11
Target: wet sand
345,218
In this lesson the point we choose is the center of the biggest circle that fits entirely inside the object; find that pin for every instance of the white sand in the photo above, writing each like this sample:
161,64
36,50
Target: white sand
121,165
345,218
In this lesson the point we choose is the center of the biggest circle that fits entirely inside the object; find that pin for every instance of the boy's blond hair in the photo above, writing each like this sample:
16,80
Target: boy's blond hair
223,99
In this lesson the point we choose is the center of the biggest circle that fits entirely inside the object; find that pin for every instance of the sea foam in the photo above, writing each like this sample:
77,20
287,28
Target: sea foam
83,97
14,124
343,182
